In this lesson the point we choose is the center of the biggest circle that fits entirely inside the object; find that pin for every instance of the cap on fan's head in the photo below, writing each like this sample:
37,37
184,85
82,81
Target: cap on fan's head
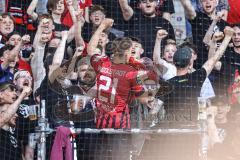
6,85
182,57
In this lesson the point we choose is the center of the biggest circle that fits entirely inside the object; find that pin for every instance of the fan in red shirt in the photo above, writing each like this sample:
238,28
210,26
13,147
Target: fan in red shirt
117,82
233,14
84,5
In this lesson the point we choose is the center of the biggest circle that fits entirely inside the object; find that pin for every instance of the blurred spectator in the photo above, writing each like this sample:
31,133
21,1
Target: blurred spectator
181,104
42,37
164,62
18,42
232,66
149,21
222,6
200,22
164,8
113,10
10,62
11,148
168,69
25,125
86,75
56,9
26,48
96,15
8,58
207,90
224,132
6,26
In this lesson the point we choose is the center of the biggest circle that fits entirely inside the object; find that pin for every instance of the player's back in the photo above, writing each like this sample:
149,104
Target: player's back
115,82
114,85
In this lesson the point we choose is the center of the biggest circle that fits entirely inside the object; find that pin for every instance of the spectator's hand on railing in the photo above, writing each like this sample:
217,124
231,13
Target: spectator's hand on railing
161,34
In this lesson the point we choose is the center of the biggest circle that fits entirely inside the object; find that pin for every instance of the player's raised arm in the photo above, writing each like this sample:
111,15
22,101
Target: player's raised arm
92,46
210,63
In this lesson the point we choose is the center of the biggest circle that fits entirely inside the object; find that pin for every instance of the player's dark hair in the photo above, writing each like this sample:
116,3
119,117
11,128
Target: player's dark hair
119,45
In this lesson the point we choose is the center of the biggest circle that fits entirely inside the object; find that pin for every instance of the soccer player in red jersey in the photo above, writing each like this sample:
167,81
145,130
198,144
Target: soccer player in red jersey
116,81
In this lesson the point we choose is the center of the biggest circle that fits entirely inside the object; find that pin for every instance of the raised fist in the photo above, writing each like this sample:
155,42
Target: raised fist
161,33
79,16
27,90
79,51
218,36
107,23
25,39
228,31
218,16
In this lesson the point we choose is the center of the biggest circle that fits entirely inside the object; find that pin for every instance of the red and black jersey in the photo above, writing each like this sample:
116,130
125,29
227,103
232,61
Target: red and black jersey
18,9
115,83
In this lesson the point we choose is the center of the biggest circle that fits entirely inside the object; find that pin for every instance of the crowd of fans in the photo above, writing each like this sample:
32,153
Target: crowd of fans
117,64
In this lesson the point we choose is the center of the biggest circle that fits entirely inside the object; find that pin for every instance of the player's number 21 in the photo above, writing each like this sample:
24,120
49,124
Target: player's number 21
110,84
